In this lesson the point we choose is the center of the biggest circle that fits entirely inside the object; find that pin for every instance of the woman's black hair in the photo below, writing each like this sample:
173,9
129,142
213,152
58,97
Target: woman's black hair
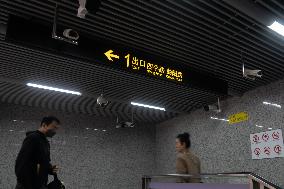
184,138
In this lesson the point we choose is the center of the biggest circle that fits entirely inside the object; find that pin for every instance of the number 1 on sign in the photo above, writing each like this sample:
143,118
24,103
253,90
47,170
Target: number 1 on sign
128,59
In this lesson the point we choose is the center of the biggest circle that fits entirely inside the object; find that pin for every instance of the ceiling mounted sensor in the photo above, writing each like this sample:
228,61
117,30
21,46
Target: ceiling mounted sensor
125,124
251,74
88,6
102,101
69,35
214,108
248,73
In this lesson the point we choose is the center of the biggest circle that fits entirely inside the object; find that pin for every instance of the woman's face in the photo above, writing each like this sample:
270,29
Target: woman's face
180,147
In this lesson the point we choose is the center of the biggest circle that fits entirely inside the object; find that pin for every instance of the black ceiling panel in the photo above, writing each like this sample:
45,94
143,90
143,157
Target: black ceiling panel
209,37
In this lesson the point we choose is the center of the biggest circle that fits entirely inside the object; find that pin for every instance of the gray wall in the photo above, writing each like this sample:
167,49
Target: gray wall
223,147
88,159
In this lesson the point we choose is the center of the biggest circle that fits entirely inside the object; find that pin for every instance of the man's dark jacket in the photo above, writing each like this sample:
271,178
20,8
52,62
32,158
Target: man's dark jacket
33,161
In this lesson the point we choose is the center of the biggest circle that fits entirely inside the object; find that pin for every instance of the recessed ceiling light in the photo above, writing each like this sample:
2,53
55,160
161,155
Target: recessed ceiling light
53,89
272,104
269,128
104,130
95,129
277,27
219,119
148,106
259,126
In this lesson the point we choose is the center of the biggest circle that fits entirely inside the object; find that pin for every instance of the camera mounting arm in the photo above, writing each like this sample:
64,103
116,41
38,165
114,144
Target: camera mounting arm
54,29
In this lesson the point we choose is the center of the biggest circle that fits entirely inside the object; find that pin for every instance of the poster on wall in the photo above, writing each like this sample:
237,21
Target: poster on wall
267,144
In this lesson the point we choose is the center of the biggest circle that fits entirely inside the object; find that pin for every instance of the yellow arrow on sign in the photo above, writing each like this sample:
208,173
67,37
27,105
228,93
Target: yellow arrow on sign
109,55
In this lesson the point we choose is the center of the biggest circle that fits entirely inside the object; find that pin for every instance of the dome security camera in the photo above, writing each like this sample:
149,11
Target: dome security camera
71,34
101,101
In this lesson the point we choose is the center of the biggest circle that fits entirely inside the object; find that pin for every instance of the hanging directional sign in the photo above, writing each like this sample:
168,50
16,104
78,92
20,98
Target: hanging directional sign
114,55
137,64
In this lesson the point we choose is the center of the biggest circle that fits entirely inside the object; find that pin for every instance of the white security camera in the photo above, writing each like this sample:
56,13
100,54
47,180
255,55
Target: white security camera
71,34
125,125
251,74
88,6
101,101
215,108
82,11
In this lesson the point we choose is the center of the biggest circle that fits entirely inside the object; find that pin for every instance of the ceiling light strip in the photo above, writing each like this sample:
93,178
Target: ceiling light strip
53,89
148,106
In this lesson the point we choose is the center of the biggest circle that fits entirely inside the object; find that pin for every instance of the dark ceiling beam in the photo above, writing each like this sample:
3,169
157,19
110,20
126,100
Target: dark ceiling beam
253,10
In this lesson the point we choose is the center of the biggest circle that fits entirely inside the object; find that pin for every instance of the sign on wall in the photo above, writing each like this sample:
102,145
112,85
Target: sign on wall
239,117
267,144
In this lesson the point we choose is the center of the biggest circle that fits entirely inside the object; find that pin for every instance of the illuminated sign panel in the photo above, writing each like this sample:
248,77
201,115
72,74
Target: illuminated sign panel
105,52
138,64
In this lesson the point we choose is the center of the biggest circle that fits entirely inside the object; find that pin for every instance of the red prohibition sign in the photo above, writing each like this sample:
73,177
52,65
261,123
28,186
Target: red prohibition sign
257,151
276,135
265,137
267,151
255,138
277,149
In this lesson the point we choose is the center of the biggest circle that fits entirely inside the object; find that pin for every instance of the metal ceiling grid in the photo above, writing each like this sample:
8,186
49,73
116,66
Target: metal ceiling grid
26,65
3,24
19,94
197,38
204,35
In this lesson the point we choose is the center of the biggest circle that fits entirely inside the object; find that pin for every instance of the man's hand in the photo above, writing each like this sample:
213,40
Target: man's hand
55,169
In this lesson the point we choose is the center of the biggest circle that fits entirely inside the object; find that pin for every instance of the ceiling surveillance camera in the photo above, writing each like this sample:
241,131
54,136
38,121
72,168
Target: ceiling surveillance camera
71,34
82,11
125,125
88,6
101,101
251,74
215,107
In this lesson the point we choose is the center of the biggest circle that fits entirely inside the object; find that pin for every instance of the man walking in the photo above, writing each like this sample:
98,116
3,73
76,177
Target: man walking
33,161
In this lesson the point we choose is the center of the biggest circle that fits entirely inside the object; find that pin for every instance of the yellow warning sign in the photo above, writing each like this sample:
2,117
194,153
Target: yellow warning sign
239,117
